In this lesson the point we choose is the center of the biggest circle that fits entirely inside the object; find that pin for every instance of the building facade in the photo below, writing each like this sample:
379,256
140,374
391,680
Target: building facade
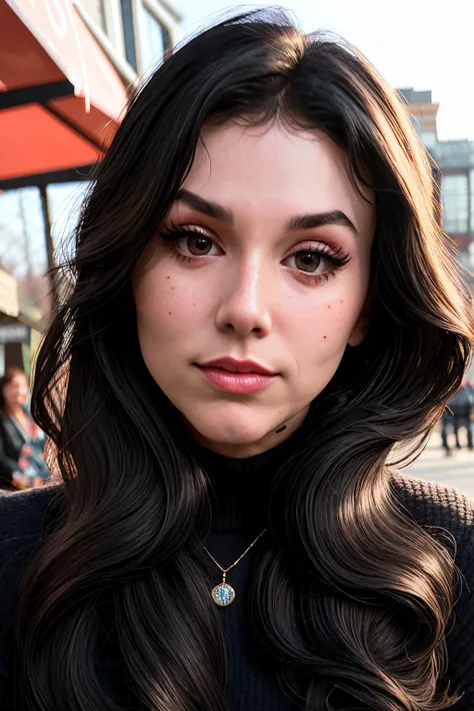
455,160
136,34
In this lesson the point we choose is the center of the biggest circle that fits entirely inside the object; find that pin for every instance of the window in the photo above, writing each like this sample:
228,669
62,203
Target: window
455,203
129,33
153,40
146,40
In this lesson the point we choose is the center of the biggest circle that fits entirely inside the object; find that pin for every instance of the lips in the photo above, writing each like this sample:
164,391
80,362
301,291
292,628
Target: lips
232,365
241,377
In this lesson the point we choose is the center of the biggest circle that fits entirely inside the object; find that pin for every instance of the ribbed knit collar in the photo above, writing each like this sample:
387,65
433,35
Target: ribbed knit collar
239,488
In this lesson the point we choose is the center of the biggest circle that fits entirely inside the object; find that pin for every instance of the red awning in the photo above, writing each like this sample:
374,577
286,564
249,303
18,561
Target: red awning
61,98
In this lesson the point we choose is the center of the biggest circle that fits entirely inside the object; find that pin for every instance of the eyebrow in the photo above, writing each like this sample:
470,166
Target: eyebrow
298,222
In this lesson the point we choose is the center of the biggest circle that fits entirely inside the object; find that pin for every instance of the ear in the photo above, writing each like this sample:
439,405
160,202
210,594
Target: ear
362,324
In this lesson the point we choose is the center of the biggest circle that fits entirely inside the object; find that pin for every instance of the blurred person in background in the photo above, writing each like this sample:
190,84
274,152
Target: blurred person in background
458,415
263,306
447,424
22,464
469,418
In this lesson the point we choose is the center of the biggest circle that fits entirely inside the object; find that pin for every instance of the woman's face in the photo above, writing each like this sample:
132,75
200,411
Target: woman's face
262,264
15,393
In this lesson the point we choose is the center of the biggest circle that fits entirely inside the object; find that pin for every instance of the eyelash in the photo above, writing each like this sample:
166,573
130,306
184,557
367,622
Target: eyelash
173,233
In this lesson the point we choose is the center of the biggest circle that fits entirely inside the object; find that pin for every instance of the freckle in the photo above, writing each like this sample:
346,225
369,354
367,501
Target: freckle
325,336
169,313
167,277
172,287
194,304
329,306
342,301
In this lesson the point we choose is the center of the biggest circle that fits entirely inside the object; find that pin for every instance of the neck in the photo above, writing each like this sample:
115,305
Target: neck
14,410
239,487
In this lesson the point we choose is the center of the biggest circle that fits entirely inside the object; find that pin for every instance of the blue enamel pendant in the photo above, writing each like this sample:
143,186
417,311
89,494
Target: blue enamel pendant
223,594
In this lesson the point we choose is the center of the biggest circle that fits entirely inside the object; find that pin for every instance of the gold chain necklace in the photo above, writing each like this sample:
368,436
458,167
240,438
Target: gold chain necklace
223,594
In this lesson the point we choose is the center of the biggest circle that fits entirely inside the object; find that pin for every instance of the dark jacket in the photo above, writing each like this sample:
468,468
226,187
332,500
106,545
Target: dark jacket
11,442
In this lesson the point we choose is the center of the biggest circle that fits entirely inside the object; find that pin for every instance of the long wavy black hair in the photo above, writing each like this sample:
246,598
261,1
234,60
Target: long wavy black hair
134,501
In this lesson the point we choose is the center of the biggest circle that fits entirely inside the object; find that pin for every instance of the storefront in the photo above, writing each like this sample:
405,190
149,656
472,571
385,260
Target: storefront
61,99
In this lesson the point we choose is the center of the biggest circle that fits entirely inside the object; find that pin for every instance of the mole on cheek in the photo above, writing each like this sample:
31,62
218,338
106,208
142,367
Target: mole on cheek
169,312
324,337
168,277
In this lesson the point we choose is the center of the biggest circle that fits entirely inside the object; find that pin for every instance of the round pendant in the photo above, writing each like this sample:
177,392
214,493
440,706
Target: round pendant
223,594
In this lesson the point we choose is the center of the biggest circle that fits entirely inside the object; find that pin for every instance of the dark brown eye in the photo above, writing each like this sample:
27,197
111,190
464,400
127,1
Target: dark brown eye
198,245
308,261
191,242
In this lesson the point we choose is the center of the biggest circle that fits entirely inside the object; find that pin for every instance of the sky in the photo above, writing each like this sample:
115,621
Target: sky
425,44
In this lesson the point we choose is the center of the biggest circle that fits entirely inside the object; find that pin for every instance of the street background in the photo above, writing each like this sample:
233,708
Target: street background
433,465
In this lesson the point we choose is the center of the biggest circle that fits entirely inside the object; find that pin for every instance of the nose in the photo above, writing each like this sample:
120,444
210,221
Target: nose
244,309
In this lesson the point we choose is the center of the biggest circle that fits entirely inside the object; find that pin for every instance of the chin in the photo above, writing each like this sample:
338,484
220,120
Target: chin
231,428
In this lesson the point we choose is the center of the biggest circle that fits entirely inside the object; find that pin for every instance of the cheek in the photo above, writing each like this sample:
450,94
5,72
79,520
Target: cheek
161,306
320,332
326,323
318,339
169,307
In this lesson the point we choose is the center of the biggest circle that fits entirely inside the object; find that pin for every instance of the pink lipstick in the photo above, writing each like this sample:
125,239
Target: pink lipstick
237,376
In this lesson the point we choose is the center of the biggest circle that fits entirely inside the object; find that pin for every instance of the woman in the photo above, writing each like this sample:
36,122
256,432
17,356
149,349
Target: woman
264,305
22,463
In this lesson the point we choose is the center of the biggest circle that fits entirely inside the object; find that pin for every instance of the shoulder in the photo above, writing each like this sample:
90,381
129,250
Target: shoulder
4,421
8,429
22,513
448,515
444,512
4,418
433,504
24,517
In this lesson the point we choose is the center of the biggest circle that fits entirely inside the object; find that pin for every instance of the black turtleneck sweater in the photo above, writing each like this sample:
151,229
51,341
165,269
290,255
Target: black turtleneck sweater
239,501
239,496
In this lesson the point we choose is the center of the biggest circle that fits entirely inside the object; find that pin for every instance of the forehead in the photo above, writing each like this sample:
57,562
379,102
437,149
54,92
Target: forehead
269,169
